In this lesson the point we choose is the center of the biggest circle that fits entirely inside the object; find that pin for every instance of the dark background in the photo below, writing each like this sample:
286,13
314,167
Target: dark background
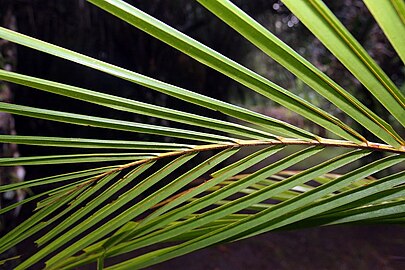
79,26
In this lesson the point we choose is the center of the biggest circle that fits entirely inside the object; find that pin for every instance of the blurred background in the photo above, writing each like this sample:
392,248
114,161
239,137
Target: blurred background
81,27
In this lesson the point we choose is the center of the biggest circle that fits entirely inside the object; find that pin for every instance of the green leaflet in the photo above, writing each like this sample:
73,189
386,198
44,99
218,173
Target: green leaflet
92,143
61,189
302,68
145,204
128,105
100,122
231,169
327,28
55,179
273,125
390,15
78,158
95,202
226,66
266,220
32,225
287,217
147,234
107,210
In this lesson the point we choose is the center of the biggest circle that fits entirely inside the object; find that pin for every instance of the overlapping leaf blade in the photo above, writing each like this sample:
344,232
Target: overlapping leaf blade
55,179
269,219
100,122
76,158
148,236
302,68
390,15
328,29
224,65
132,106
273,125
92,143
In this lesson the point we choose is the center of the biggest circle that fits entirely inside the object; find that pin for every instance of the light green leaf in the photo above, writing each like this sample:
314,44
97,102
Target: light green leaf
95,202
302,68
100,122
77,158
107,210
91,143
328,29
226,66
268,219
55,179
132,106
390,15
273,125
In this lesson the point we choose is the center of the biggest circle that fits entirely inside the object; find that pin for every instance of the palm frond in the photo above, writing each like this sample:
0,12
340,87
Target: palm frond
217,180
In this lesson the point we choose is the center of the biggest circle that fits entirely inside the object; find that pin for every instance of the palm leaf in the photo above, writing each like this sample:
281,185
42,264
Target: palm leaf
210,185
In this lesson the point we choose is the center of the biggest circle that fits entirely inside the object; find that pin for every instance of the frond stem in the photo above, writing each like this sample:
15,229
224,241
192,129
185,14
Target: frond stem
280,141
248,143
